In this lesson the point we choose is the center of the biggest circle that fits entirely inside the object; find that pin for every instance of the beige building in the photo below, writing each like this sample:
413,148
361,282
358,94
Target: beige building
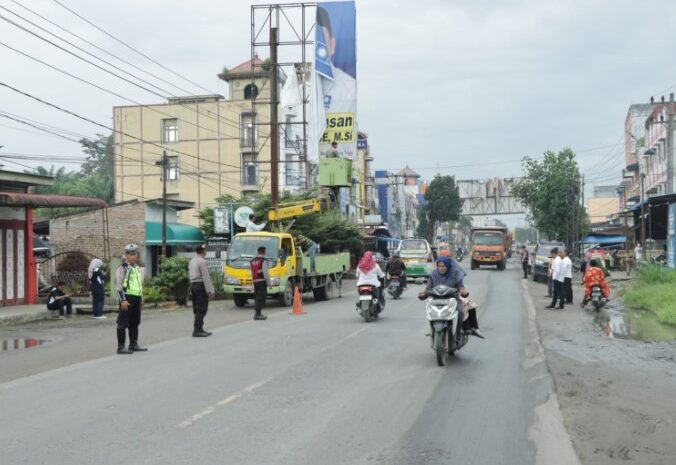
215,146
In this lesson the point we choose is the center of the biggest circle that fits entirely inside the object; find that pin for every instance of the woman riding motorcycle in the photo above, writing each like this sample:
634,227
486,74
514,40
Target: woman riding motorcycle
449,273
370,274
594,276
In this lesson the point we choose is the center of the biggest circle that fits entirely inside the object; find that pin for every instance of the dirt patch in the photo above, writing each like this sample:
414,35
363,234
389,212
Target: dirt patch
617,396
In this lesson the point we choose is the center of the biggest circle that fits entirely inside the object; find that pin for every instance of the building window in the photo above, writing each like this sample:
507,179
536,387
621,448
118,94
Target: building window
169,130
291,171
249,170
250,92
172,168
248,133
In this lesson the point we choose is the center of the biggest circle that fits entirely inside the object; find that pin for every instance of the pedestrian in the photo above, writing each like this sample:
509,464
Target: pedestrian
260,278
638,253
557,278
202,290
59,300
129,287
567,277
251,226
96,280
550,280
524,261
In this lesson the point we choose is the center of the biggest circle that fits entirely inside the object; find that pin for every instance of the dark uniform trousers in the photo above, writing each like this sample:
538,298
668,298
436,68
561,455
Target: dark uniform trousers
559,293
568,289
131,319
260,294
200,304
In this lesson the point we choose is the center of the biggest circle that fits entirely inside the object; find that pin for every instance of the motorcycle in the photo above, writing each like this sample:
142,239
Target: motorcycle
443,315
368,305
597,299
395,288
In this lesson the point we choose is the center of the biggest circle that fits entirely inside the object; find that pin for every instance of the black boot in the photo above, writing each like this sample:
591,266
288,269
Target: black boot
260,316
121,336
200,334
133,346
124,350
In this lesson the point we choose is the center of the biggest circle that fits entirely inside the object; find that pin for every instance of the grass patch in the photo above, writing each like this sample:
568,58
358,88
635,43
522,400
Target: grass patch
654,291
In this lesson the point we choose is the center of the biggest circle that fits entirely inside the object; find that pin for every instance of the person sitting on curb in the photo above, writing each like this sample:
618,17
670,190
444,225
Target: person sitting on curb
59,300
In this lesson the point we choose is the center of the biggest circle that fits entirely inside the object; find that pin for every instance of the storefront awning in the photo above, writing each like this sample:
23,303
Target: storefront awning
177,234
19,199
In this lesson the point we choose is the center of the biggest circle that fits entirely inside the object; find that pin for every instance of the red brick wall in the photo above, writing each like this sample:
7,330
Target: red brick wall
84,231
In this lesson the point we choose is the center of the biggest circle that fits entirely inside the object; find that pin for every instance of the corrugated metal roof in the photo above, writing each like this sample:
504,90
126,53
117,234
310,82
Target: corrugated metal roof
17,199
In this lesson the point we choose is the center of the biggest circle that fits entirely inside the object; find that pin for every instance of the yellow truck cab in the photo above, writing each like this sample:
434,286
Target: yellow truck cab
288,267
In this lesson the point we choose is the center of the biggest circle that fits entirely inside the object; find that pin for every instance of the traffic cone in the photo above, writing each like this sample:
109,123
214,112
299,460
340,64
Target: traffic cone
297,303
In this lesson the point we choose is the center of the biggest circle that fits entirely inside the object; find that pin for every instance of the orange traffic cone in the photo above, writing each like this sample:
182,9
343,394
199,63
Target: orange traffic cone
297,303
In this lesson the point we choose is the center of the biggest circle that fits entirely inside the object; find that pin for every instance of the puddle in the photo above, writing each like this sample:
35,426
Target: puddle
640,325
21,343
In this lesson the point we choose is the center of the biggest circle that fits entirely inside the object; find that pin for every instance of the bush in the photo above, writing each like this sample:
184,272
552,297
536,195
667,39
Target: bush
218,282
73,261
152,293
655,274
654,291
173,275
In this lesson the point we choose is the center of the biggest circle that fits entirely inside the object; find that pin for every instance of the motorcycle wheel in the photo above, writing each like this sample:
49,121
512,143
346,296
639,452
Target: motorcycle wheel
439,347
597,305
368,316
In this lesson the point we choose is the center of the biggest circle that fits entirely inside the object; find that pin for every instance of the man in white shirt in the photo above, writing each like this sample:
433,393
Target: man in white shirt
557,278
567,277
253,227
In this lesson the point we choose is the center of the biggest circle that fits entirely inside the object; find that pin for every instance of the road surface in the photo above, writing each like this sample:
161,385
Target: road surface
320,388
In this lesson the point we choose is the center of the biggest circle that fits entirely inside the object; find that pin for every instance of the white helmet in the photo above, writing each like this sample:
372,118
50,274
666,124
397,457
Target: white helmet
131,248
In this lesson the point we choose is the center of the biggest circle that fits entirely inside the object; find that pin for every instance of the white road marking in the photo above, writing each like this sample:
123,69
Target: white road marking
212,408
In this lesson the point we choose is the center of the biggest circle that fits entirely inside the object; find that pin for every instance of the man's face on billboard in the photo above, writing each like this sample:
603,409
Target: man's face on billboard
330,43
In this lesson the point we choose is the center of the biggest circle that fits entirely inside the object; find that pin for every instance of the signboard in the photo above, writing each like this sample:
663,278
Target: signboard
242,216
335,69
221,221
671,236
362,144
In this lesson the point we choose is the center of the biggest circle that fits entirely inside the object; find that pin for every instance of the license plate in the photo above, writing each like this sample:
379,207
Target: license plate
365,297
440,302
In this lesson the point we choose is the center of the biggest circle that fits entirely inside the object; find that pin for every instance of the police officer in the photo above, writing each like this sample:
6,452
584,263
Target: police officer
129,286
202,290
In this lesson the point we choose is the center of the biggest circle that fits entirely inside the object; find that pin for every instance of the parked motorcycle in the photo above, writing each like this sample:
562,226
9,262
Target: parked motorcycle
368,305
443,315
597,299
395,288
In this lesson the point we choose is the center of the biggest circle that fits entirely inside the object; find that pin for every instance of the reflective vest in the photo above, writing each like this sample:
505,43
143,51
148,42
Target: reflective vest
133,281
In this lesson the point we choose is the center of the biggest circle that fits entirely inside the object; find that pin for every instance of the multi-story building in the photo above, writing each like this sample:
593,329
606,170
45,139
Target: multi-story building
398,201
215,146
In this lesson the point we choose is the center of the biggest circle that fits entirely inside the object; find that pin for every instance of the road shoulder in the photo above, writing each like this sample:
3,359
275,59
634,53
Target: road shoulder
616,396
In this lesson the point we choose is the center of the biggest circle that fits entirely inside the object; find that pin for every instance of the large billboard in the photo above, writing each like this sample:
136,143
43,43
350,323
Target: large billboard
335,69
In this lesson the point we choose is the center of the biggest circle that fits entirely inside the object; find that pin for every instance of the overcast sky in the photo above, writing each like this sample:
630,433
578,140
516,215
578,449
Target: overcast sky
440,83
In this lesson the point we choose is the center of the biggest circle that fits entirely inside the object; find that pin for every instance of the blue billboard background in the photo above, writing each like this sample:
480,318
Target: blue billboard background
341,16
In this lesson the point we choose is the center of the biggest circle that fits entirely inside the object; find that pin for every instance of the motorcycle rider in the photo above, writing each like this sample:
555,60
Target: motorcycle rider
594,276
370,274
396,268
449,273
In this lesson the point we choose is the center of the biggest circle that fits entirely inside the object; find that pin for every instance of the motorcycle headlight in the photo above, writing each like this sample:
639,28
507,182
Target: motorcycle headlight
231,280
274,281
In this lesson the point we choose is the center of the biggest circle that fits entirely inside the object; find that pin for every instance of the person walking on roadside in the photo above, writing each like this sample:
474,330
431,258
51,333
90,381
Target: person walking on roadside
59,300
557,277
251,226
524,261
550,279
260,277
129,287
567,277
96,280
202,290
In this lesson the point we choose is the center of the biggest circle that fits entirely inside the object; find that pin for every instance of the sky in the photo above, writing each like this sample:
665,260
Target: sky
466,88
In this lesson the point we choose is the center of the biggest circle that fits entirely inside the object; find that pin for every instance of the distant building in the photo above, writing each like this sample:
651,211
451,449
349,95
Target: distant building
214,146
398,200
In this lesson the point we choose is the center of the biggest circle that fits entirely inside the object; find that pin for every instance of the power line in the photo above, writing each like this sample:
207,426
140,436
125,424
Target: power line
130,47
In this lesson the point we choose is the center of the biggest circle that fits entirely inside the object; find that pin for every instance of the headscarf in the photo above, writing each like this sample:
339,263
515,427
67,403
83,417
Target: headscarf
96,263
454,273
367,262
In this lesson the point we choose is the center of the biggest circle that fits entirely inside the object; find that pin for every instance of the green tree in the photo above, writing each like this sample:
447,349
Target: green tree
173,275
551,191
442,203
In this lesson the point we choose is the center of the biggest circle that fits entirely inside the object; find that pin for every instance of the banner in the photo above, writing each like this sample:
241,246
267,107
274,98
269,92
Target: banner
335,78
671,236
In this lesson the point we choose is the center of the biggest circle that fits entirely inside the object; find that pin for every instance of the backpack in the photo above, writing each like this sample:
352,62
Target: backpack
256,267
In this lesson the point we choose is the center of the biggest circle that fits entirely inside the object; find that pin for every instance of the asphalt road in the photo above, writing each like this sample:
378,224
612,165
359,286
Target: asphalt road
319,388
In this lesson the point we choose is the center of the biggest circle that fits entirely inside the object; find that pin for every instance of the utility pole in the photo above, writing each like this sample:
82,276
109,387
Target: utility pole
164,167
642,197
274,124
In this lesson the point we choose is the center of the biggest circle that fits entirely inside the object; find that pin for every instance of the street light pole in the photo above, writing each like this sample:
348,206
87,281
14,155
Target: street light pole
642,214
